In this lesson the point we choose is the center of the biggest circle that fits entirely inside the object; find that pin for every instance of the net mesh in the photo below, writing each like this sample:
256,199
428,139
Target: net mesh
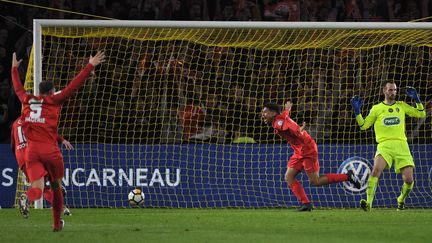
176,106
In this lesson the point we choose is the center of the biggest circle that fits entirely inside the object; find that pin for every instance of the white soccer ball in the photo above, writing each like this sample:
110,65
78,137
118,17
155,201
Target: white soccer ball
136,197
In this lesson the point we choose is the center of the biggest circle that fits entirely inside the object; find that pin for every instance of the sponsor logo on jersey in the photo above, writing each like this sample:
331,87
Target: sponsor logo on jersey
35,102
391,121
21,146
361,168
279,123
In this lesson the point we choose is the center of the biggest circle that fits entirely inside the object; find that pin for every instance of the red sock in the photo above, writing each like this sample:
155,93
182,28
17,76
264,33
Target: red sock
299,192
48,195
57,206
34,194
335,178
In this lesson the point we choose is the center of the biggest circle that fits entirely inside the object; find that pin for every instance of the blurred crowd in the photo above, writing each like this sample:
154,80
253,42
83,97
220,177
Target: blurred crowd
218,98
226,10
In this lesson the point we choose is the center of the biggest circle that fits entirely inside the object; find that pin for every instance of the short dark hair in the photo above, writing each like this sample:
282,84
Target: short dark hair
273,107
385,82
45,87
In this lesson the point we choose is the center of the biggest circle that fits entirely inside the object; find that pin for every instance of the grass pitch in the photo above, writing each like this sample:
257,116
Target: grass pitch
220,225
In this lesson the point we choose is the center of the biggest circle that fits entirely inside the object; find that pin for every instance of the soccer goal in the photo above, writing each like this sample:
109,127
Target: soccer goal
175,110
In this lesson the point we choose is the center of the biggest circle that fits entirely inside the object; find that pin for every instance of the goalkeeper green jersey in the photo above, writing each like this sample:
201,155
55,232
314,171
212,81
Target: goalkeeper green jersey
389,120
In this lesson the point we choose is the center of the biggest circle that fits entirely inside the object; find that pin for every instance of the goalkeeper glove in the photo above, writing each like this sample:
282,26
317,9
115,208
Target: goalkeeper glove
356,103
412,93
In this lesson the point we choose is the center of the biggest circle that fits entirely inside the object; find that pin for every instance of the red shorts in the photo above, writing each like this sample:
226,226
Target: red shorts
307,160
44,160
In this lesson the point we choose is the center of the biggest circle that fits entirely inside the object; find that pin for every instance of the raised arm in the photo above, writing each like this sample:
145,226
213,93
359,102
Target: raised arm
288,105
79,79
364,124
303,127
286,123
419,111
18,87
368,121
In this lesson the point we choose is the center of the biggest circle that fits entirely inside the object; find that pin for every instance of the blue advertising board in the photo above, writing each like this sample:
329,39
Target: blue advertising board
8,176
210,175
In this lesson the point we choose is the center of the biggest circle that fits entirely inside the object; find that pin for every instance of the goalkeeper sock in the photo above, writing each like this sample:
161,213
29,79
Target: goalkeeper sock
335,178
299,192
406,189
48,195
371,188
34,194
57,206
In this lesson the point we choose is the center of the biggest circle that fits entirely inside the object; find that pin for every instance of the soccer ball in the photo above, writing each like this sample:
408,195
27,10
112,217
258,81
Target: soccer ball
136,197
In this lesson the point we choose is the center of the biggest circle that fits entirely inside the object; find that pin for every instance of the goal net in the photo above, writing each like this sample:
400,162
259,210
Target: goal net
175,109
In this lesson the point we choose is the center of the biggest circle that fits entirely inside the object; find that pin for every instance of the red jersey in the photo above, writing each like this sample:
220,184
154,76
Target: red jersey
288,129
19,142
41,113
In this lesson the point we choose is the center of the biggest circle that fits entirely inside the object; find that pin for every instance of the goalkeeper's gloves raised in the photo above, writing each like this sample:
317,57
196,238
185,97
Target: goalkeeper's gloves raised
356,103
412,93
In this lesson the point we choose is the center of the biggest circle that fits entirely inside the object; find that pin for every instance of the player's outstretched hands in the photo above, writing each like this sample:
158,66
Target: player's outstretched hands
97,59
356,103
288,105
302,128
67,145
15,62
412,93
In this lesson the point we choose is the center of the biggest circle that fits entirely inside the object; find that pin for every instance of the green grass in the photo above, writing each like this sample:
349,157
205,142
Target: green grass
220,225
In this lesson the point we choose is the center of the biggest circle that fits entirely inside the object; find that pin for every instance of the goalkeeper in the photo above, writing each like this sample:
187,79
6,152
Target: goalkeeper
388,118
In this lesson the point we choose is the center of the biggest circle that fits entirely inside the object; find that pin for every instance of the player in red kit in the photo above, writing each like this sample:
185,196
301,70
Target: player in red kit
305,155
41,114
18,146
